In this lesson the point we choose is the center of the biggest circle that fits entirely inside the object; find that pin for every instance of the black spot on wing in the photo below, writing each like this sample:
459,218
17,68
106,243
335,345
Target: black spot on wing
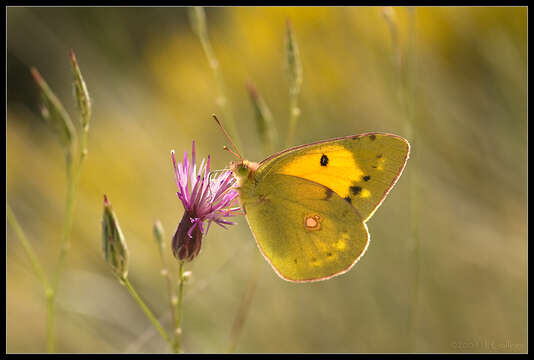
366,178
348,199
324,160
372,136
355,190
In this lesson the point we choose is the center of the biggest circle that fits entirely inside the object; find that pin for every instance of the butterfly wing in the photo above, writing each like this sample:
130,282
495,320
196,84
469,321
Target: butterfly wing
361,169
305,230
307,206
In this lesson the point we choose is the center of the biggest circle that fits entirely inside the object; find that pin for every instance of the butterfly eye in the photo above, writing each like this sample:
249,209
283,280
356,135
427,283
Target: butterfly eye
242,170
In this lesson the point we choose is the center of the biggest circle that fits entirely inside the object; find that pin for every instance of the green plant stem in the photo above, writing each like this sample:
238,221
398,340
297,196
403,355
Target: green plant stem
67,226
146,310
172,300
244,306
294,114
73,175
413,178
64,247
222,99
51,289
49,293
294,72
28,248
36,266
50,337
179,307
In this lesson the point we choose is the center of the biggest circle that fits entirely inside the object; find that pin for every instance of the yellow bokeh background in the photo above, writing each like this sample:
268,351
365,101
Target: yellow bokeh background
462,289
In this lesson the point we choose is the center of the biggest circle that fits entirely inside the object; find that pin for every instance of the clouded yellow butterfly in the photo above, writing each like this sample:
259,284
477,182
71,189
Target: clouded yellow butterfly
307,206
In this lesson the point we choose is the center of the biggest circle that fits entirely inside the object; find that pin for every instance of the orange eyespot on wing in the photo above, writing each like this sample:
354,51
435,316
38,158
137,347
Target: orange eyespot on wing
312,222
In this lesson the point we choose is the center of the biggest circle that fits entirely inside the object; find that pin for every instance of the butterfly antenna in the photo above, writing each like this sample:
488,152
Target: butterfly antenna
236,153
231,152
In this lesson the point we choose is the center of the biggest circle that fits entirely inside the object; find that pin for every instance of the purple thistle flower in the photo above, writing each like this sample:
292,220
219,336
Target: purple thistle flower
206,198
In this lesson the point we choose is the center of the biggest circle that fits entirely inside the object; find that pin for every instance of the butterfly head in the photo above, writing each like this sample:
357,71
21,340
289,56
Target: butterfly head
243,169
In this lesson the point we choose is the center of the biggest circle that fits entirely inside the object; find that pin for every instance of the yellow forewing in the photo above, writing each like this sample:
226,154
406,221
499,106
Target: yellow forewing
337,160
361,169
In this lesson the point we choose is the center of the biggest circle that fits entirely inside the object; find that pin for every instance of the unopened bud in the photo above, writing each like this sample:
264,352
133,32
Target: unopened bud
113,243
82,95
264,118
54,113
294,66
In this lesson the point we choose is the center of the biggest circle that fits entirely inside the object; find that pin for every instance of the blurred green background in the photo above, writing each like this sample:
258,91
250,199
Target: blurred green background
462,289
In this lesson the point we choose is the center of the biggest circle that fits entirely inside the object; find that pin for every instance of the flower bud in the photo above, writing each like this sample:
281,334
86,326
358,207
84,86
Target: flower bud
187,240
264,119
113,244
54,113
294,66
82,95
